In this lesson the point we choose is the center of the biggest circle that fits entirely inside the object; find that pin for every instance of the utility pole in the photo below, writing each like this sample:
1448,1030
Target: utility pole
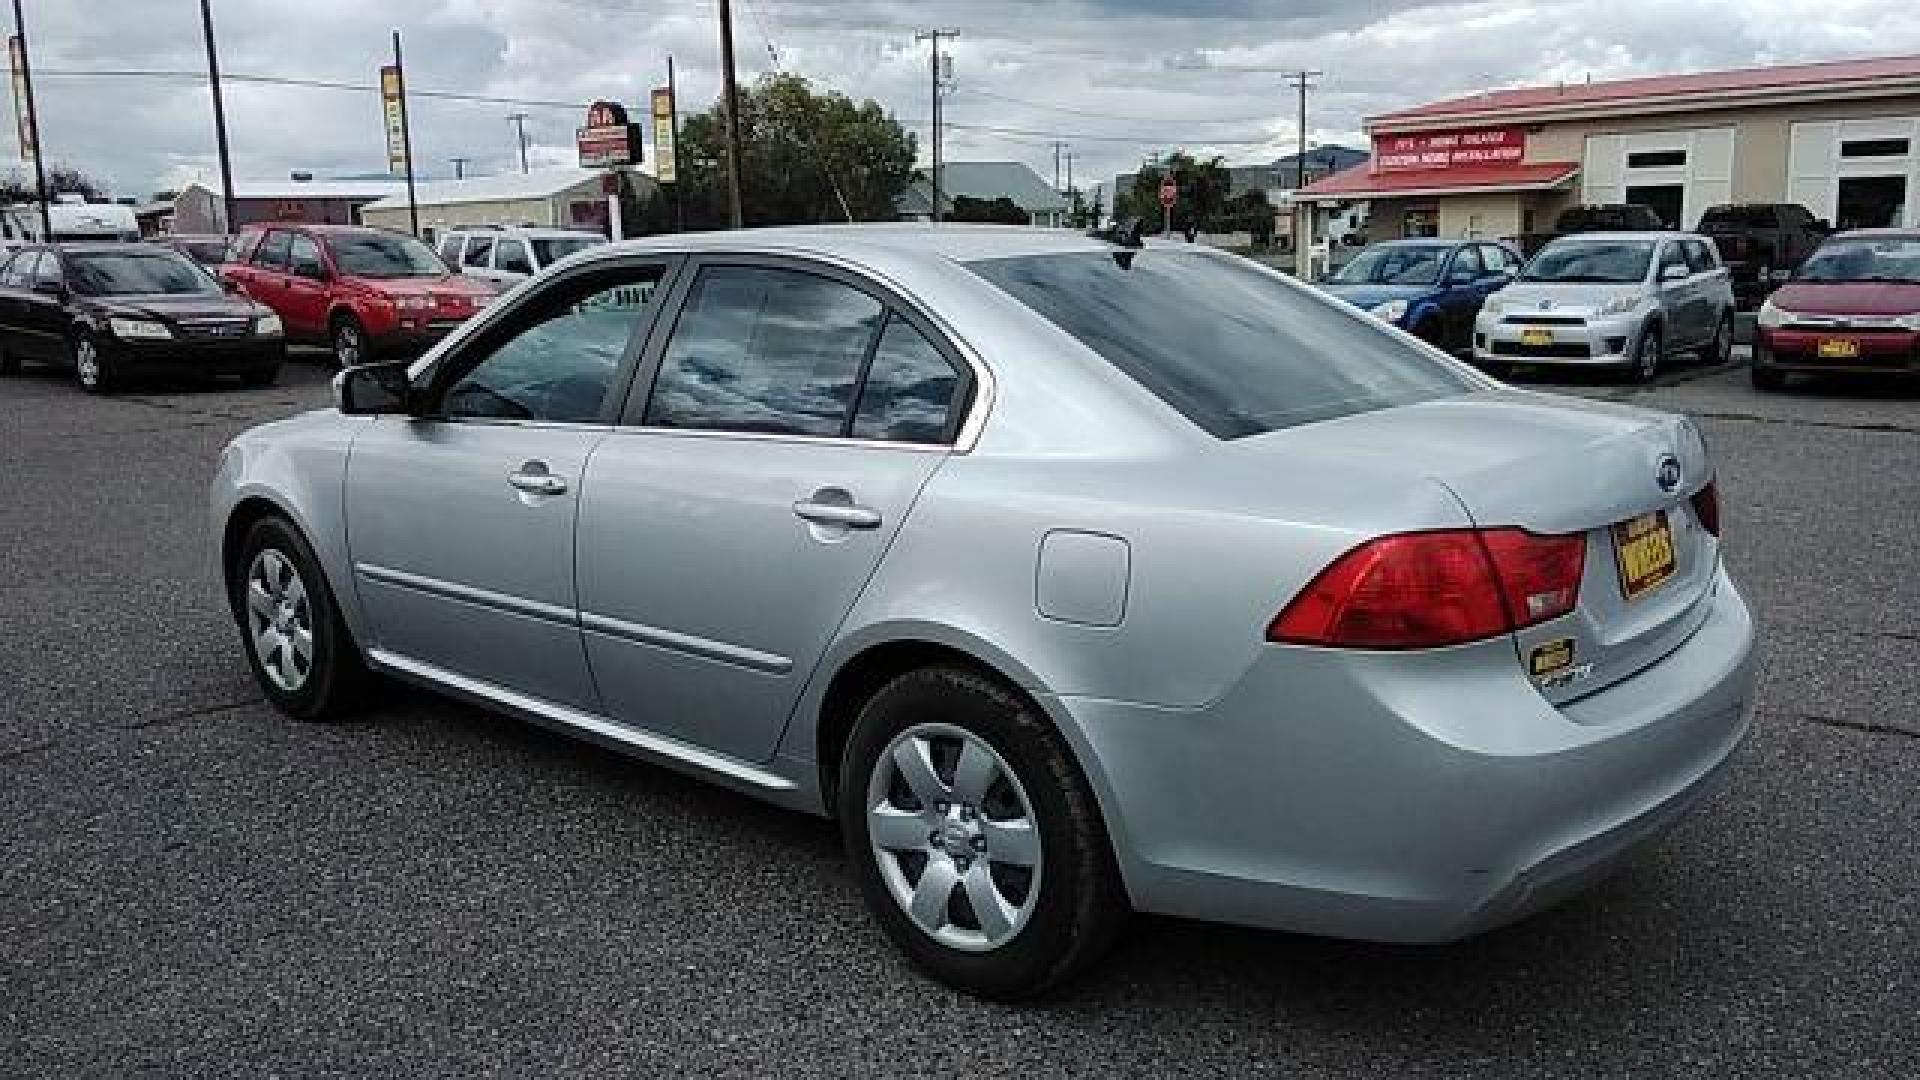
1302,217
459,167
219,119
33,125
933,66
679,203
730,95
1072,202
1057,147
406,136
519,122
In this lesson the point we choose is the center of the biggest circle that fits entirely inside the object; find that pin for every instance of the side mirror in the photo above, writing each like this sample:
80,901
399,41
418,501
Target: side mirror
373,390
1674,273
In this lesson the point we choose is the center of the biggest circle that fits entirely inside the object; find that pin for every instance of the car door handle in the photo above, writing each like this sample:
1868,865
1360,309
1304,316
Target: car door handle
844,514
534,479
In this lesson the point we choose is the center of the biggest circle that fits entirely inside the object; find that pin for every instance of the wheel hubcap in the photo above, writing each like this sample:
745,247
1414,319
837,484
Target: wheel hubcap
86,360
279,620
954,835
347,345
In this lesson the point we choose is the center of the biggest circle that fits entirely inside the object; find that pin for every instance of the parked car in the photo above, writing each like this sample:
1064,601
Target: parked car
74,220
115,310
1069,577
208,249
1854,306
369,293
1593,217
1611,300
1761,244
509,256
1432,289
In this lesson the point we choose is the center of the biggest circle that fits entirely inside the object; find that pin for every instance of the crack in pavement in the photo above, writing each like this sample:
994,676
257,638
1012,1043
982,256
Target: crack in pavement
24,751
1867,726
1790,421
187,714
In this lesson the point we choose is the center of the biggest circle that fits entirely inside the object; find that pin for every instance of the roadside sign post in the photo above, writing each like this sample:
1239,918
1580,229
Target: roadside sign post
393,95
1169,194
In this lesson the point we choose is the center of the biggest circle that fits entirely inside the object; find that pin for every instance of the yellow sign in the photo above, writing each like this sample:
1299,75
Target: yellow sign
1644,546
390,91
663,163
29,144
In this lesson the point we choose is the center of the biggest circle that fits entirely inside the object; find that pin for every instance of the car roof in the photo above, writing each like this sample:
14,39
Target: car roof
318,227
535,231
959,243
85,247
1626,234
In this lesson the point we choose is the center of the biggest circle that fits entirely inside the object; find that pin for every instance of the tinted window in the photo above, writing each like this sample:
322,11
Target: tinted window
1236,349
560,353
450,249
511,256
478,247
765,350
157,271
1616,261
272,252
303,257
909,392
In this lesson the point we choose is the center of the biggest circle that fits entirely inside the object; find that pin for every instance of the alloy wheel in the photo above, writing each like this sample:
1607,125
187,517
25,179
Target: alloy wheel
347,345
1646,363
86,362
955,837
279,620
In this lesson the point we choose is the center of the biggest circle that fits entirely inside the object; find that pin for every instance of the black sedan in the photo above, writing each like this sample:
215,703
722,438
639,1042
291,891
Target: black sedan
111,311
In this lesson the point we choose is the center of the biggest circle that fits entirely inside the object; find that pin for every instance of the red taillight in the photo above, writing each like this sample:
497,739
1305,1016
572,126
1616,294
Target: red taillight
1706,507
1428,589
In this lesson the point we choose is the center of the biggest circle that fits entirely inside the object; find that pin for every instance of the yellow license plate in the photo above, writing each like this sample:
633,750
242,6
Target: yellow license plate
1643,547
1536,337
1839,348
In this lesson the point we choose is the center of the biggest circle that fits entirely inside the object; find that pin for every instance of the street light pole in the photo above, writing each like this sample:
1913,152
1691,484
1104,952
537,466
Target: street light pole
219,119
730,94
406,136
933,67
33,125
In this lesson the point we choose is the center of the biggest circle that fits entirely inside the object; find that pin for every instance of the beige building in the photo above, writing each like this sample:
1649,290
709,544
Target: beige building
1842,139
559,198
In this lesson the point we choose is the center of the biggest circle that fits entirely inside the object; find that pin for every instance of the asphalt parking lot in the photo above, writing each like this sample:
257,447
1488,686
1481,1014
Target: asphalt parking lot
191,884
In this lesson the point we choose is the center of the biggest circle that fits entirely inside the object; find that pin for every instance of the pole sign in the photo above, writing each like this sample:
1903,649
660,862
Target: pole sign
608,140
396,126
663,134
29,144
1169,194
1449,149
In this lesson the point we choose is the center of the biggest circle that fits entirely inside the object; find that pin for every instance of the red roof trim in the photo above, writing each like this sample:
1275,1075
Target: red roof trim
1839,73
1360,181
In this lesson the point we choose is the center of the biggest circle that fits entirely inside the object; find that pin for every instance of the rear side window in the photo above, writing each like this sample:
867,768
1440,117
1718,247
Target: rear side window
478,247
450,249
511,256
1234,349
910,390
765,350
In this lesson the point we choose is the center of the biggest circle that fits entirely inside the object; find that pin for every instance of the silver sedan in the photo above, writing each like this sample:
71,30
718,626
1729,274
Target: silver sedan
1072,578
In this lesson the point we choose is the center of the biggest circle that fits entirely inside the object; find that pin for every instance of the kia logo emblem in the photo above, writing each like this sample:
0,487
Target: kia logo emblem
1668,476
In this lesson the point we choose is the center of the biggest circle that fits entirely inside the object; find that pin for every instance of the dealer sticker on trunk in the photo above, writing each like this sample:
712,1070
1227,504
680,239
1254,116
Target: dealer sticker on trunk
1643,547
1551,664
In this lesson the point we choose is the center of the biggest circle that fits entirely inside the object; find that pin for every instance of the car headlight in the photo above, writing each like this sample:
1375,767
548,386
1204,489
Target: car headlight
413,301
1494,304
1619,305
138,329
268,325
1771,316
1392,311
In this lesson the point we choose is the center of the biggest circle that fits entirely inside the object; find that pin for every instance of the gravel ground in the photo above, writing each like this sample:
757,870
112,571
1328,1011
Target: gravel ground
192,885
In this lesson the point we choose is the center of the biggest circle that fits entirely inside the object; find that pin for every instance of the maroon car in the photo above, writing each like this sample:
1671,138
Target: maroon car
1853,306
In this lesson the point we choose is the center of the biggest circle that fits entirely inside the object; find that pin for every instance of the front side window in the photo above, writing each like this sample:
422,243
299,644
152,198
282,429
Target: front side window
156,272
911,390
384,255
1234,348
556,359
1466,266
511,256
1597,261
478,249
272,252
450,249
303,257
758,349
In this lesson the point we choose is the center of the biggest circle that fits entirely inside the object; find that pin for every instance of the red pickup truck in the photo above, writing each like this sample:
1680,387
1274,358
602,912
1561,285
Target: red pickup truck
369,293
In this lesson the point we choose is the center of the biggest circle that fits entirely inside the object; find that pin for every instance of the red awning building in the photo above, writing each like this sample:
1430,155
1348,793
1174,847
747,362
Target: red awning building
1841,138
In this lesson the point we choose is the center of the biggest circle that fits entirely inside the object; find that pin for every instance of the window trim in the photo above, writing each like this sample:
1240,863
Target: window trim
443,368
962,427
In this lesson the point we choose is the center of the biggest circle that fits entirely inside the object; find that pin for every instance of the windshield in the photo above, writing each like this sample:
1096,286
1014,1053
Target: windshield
548,250
1615,261
144,273
384,255
1396,265
1880,259
1234,347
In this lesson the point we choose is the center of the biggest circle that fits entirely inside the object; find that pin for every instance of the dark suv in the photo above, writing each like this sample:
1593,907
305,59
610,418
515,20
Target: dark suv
1762,244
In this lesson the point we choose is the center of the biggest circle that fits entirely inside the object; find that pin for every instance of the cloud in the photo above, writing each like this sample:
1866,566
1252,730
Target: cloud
1116,79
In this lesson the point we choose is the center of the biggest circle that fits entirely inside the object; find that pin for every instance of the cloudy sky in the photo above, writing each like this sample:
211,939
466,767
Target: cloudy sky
1116,79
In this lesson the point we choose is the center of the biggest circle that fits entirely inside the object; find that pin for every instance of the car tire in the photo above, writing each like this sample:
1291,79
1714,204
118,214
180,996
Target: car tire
9,362
1057,898
1720,350
90,366
349,340
1647,355
1770,380
280,596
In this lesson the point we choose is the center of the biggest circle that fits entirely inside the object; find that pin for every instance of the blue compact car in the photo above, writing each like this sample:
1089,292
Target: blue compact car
1432,289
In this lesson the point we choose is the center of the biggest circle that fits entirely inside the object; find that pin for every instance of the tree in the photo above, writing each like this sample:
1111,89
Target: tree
18,186
1250,212
805,157
1000,211
1202,198
1082,214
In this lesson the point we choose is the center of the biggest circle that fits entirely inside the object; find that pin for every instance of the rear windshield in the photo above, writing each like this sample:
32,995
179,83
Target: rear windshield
1235,349
1614,261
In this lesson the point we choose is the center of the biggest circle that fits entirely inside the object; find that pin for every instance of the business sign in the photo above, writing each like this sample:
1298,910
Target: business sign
29,145
663,134
608,139
1449,149
1169,194
390,91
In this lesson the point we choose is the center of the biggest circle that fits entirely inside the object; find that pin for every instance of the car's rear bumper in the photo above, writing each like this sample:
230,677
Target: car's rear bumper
1799,350
236,356
1409,797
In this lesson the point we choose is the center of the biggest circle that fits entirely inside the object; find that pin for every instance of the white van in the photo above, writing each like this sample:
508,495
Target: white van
20,222
509,256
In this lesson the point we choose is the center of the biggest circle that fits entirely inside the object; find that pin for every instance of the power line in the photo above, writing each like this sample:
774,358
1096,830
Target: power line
313,84
1174,140
977,92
